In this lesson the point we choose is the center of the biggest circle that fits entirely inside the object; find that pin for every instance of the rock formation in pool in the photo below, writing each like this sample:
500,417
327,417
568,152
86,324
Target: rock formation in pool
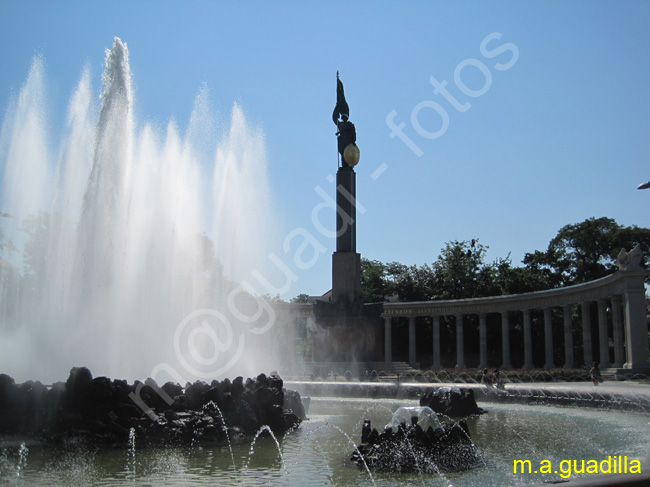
455,402
102,410
416,442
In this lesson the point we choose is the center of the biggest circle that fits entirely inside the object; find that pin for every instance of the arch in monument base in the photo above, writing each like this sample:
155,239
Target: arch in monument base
623,293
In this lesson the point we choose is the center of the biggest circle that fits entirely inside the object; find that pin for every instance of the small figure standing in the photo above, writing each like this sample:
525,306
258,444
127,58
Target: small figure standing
498,381
595,374
485,379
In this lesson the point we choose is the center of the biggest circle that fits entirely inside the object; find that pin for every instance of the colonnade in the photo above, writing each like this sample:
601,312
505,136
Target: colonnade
618,336
623,293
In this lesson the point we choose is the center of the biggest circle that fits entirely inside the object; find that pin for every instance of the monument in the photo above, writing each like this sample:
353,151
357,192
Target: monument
346,262
348,330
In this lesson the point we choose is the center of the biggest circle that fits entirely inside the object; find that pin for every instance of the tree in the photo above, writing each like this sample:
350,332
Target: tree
517,280
409,283
586,251
376,281
414,283
579,253
460,271
301,298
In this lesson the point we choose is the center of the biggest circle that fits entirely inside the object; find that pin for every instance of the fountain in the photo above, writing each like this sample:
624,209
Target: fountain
129,236
123,236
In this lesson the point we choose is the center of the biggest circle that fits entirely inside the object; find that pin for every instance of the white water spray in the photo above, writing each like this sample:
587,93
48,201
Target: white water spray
121,233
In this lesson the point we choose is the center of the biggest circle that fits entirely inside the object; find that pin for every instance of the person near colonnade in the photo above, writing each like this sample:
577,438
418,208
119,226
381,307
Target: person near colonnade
498,381
485,379
595,373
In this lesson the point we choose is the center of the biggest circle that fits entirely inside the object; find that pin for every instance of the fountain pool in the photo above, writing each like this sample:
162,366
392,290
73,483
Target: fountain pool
318,452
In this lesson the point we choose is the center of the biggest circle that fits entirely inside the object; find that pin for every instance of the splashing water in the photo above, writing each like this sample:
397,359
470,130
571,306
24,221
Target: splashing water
123,233
265,429
130,455
211,405
23,452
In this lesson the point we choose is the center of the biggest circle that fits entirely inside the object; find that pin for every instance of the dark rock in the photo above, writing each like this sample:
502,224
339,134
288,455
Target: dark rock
172,390
245,417
293,402
262,380
275,382
237,388
448,448
365,431
454,402
290,420
103,411
76,388
212,395
194,394
225,386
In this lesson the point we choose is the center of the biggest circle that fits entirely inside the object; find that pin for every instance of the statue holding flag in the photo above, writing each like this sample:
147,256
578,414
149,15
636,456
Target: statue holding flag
346,133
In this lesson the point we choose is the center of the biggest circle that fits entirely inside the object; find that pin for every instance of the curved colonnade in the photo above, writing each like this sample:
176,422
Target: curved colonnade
623,292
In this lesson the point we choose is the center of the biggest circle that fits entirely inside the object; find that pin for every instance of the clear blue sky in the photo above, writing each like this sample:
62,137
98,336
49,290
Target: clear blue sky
560,136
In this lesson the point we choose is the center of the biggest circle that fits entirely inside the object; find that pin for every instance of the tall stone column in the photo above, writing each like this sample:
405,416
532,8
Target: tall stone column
568,337
603,337
636,327
460,343
548,339
436,343
311,326
528,341
346,262
586,332
619,353
388,340
482,328
505,340
412,341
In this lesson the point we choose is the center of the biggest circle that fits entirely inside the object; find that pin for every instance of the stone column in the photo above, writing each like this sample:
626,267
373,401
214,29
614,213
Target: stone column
460,350
388,340
548,339
636,327
346,262
482,328
619,352
412,341
528,341
436,343
311,326
568,337
505,340
586,332
603,337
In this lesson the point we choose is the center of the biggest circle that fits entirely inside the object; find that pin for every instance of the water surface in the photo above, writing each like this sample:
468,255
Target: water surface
317,454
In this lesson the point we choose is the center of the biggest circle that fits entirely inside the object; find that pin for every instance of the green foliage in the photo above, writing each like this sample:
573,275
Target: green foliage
301,298
579,253
586,251
378,279
272,299
461,271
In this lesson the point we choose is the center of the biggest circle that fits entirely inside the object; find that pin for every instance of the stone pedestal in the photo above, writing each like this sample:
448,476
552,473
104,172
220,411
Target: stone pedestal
346,278
357,339
346,262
